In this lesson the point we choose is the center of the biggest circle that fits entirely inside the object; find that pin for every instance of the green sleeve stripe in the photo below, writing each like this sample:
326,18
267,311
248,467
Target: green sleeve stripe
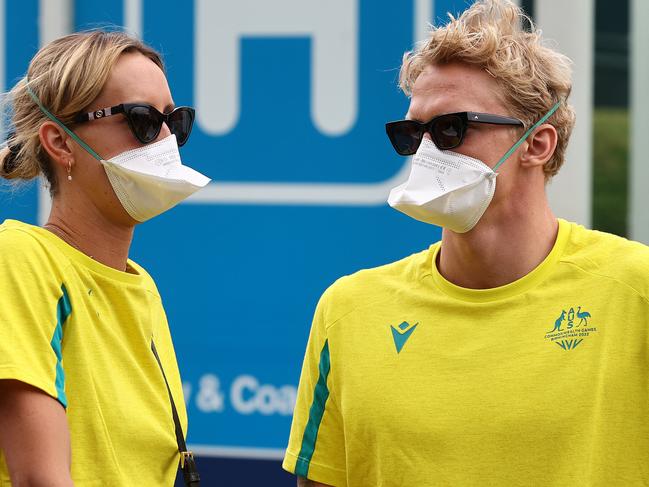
320,395
63,310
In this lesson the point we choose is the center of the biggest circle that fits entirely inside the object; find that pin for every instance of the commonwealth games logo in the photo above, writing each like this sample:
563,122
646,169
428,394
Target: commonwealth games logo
571,328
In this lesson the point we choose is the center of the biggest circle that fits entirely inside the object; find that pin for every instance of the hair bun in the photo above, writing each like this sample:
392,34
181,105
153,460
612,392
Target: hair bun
10,159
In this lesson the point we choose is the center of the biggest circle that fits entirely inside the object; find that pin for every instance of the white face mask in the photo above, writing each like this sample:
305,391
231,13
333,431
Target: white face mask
151,179
448,189
445,188
148,180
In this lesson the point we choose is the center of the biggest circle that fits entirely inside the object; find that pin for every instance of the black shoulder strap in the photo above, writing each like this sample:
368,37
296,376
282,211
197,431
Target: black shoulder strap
187,463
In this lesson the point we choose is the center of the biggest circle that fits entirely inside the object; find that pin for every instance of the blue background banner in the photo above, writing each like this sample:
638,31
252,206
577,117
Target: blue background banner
301,170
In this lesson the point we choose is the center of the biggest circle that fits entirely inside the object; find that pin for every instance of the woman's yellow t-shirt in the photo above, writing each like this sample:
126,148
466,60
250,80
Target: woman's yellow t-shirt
81,332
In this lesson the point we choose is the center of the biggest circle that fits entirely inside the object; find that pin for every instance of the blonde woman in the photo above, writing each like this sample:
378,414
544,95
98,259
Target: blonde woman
87,366
512,352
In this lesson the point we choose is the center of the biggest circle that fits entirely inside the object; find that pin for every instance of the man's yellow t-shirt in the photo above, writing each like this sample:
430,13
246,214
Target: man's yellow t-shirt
409,380
81,332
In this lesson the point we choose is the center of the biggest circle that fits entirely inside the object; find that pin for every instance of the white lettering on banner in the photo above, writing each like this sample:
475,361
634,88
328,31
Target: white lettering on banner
332,27
248,396
187,392
237,392
210,398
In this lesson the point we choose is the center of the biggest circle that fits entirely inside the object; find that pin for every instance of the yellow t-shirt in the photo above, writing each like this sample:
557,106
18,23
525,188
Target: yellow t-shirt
81,332
409,380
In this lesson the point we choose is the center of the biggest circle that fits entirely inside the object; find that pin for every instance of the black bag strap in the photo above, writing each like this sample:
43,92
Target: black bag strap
187,463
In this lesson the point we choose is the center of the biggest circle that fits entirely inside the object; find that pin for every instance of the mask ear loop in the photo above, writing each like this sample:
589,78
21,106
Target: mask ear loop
526,135
61,124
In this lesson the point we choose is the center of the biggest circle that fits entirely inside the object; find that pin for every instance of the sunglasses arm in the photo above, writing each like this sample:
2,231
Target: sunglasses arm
101,113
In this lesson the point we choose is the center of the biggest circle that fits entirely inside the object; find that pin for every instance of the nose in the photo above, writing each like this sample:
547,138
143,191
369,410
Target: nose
164,131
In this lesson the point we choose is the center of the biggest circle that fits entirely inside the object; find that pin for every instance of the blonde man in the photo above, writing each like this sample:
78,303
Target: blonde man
514,351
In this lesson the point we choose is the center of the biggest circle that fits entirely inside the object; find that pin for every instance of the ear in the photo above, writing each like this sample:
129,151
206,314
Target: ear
540,146
56,143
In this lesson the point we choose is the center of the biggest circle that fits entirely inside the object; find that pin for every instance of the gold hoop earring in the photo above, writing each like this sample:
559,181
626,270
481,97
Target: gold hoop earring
69,170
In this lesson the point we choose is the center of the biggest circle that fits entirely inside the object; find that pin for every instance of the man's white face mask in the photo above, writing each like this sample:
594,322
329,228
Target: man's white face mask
445,189
448,189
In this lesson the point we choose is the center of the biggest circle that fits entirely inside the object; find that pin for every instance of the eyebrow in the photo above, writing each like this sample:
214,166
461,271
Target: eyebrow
405,117
414,119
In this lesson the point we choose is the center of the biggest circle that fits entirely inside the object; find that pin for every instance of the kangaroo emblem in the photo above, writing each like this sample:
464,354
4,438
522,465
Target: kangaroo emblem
583,317
559,320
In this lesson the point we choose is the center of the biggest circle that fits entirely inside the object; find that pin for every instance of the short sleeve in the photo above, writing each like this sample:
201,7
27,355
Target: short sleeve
316,448
33,311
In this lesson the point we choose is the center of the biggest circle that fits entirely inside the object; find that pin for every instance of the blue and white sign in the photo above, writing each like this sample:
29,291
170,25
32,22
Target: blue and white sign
291,98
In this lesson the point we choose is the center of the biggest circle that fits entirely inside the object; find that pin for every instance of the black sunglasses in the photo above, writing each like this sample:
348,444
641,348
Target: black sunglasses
447,131
146,122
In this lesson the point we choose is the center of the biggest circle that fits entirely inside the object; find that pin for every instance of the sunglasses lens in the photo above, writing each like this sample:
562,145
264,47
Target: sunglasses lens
180,123
405,136
145,122
447,131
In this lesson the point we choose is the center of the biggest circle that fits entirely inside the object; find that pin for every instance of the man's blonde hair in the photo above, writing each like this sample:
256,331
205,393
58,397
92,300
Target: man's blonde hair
491,35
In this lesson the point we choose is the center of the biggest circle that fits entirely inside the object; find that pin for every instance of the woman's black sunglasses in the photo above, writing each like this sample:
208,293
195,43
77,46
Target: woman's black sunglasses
146,122
447,131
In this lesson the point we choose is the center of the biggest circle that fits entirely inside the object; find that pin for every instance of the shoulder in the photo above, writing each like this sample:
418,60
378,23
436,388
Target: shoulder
147,280
609,256
20,242
30,266
371,285
16,231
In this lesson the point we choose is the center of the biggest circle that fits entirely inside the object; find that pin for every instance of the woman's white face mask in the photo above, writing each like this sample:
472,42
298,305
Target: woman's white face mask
148,180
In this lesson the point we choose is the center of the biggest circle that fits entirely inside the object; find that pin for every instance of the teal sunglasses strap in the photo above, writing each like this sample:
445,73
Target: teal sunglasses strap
61,124
526,135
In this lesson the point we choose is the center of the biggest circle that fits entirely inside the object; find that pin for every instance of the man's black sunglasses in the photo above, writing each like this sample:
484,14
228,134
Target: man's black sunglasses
146,122
447,131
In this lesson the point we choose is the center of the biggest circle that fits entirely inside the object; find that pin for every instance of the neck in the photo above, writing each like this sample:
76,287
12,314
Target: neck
503,247
89,231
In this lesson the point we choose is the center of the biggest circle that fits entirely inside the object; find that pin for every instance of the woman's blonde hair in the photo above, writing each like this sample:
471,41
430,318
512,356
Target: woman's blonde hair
66,75
491,34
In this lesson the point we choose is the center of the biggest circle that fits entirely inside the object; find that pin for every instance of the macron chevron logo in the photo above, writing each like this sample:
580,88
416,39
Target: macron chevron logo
401,334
